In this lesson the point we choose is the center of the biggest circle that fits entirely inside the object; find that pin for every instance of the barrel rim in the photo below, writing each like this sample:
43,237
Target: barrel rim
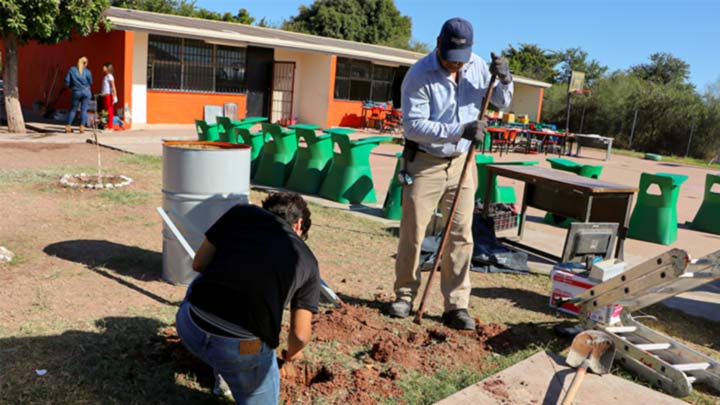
220,145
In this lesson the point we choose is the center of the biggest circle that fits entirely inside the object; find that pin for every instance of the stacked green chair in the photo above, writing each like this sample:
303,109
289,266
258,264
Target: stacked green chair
350,179
499,194
256,141
707,218
313,162
392,207
278,156
654,218
207,132
229,130
566,165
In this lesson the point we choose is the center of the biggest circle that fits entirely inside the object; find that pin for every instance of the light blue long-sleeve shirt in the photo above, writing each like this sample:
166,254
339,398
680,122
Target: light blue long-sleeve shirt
435,107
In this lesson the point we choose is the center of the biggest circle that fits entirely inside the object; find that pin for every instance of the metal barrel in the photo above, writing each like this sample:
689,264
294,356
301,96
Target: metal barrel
201,181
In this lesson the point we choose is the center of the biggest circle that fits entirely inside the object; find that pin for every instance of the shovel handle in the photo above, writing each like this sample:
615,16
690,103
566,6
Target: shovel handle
575,386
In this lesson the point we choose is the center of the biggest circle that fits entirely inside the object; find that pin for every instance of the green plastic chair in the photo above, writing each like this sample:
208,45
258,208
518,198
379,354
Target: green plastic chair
229,130
654,218
207,132
278,156
256,141
707,218
350,179
500,194
569,166
313,162
392,207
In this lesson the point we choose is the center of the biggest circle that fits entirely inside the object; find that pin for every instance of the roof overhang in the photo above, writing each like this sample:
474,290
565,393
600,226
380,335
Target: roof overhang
531,82
239,39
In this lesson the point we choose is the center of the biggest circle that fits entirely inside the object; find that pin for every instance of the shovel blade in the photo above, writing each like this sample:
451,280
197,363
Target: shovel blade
593,350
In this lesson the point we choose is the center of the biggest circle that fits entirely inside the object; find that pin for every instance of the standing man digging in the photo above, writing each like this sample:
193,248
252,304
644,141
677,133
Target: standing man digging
442,96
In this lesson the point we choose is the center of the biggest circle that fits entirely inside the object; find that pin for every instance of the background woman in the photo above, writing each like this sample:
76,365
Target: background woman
109,93
79,80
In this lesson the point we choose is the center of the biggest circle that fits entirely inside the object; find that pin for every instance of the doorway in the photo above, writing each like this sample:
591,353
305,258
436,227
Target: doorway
259,80
282,92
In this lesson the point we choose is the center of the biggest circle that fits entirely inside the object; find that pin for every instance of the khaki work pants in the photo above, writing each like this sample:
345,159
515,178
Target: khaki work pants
435,182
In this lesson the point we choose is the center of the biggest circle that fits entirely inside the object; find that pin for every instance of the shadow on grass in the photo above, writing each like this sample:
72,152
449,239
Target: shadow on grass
525,335
525,299
130,361
104,257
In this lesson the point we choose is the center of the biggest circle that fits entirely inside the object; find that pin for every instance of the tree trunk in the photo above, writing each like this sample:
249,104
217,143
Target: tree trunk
13,111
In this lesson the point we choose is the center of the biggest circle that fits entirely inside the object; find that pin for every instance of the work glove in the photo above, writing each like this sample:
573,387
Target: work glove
115,99
500,67
474,131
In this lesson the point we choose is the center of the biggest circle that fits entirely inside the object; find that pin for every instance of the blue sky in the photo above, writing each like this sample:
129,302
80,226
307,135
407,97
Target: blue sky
618,33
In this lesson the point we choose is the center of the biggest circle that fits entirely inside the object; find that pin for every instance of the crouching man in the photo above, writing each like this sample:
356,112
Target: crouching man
254,262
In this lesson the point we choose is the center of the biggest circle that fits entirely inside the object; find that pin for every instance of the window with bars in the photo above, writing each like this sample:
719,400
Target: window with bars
194,66
362,80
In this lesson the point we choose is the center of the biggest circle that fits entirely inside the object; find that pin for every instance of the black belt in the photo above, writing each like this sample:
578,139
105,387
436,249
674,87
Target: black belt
210,328
448,158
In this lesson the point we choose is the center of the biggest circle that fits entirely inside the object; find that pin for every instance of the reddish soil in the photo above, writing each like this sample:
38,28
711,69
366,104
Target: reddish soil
406,346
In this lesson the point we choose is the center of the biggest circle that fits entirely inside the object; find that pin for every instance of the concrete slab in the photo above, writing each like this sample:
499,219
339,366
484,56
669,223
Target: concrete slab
544,379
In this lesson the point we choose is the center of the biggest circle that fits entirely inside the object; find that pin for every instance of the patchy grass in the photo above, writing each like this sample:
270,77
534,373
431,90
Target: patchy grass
671,159
125,355
125,197
33,176
146,162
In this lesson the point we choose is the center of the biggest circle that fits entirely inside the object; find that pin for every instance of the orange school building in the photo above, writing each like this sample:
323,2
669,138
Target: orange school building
168,68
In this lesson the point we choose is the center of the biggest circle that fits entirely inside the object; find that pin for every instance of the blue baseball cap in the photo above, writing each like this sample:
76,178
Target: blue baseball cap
456,40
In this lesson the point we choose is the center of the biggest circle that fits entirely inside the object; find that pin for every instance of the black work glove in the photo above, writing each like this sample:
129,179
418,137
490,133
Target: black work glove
500,67
474,131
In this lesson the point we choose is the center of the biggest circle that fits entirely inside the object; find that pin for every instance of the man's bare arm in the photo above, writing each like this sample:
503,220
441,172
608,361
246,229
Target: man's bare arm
203,256
300,332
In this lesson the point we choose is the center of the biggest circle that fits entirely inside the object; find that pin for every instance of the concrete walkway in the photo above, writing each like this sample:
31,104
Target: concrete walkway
544,379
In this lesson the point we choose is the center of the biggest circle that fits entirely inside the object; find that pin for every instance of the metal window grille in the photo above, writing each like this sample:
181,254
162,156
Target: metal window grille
363,80
194,66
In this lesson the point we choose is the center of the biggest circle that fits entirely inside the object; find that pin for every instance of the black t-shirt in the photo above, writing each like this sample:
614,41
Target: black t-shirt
260,265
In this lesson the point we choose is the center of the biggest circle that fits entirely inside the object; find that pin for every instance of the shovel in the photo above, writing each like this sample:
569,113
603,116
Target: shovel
591,349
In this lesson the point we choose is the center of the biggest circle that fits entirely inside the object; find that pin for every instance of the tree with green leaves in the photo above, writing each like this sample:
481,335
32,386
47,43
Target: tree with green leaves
46,21
576,59
531,61
663,68
369,21
185,8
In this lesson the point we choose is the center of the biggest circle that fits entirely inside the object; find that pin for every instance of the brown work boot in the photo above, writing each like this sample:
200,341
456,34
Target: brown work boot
82,129
68,129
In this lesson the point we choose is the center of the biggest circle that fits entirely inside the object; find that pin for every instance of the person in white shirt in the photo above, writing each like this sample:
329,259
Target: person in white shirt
109,93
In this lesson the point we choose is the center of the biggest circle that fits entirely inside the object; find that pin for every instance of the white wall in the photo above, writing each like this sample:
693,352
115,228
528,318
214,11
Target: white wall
139,78
312,85
525,101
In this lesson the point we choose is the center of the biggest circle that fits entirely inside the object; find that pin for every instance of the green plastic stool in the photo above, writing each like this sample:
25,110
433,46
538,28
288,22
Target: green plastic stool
256,141
313,162
654,218
350,179
707,218
392,207
207,132
278,156
229,130
500,194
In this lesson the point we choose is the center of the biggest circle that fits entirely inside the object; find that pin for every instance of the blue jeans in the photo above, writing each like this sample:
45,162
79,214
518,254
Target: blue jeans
81,98
254,379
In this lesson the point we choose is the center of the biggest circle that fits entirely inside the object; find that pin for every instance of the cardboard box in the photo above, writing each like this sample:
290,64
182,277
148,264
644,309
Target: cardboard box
566,284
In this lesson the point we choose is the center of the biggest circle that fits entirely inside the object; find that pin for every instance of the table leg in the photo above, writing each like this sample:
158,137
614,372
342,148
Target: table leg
577,149
609,150
523,210
588,208
622,232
